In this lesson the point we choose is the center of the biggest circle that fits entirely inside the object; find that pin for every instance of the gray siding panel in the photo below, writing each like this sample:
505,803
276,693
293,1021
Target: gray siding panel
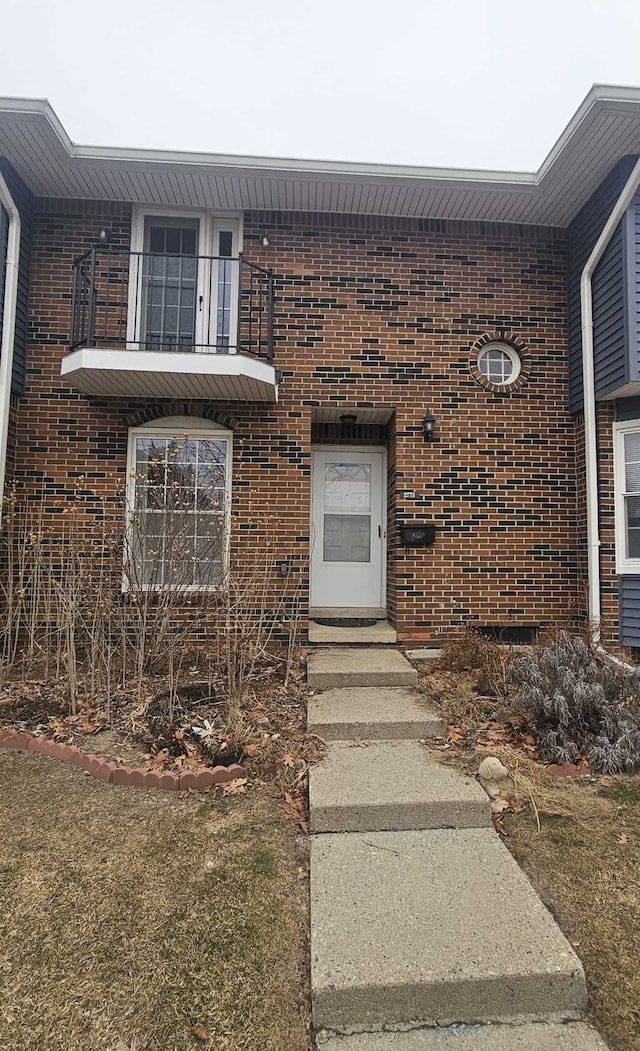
4,235
24,202
629,601
610,336
627,409
634,286
609,293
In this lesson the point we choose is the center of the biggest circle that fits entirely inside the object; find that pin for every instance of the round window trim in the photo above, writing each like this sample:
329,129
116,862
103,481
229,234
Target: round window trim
509,353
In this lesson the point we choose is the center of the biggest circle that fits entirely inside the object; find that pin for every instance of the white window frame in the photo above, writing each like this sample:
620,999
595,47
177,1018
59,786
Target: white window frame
513,356
179,427
211,222
624,565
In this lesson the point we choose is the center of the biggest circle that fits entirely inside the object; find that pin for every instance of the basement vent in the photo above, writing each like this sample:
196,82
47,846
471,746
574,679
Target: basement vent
510,634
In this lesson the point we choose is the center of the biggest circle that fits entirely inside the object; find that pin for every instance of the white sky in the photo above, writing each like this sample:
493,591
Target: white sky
470,83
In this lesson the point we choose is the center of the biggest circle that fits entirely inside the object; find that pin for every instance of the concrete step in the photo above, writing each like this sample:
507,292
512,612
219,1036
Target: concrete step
540,1036
391,785
380,633
338,667
372,713
424,654
433,928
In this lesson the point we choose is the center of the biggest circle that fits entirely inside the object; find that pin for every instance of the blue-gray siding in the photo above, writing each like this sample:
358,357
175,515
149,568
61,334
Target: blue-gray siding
610,331
4,235
629,601
633,262
627,408
610,291
24,203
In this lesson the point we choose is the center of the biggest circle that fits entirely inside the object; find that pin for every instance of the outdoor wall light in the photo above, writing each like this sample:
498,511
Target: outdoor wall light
347,418
104,236
428,424
265,240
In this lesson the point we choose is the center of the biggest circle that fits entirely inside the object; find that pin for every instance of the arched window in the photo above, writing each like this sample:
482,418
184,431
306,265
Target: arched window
178,499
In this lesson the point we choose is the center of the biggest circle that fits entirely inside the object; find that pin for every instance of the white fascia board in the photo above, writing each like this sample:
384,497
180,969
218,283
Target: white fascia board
190,363
601,98
256,165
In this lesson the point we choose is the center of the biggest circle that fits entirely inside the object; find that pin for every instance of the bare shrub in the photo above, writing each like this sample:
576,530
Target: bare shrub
474,652
577,705
105,608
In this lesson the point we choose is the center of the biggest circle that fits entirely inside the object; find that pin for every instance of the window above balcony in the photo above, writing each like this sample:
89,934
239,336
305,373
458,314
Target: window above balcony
182,314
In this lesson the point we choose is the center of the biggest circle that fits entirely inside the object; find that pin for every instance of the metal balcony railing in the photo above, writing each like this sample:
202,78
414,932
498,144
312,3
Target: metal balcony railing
161,302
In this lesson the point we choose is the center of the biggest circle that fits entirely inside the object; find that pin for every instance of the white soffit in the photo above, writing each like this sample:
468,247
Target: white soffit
605,128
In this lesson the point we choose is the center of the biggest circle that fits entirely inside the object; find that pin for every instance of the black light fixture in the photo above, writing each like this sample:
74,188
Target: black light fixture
265,240
348,418
428,423
104,237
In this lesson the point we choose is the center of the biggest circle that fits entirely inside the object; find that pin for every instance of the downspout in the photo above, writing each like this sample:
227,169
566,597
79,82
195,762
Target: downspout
588,382
8,325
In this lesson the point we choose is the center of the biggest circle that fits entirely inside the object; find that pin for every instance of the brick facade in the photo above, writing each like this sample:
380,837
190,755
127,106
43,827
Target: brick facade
370,313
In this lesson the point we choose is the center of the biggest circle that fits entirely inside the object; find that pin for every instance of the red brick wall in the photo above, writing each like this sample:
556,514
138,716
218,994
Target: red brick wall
369,312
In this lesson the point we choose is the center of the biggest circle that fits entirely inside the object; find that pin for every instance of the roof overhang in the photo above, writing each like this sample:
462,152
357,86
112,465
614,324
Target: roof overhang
605,128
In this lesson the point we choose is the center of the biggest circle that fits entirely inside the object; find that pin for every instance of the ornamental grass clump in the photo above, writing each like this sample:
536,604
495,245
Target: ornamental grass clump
578,706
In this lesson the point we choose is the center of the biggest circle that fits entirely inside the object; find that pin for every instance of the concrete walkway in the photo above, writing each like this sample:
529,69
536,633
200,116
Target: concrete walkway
425,934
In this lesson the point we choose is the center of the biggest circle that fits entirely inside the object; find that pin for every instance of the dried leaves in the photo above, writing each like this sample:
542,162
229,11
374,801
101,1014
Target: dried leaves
295,809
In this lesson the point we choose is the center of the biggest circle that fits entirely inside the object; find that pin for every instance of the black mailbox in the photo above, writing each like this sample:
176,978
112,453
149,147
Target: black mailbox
417,535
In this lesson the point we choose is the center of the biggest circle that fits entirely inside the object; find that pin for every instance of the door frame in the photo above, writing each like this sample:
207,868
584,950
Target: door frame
211,220
357,450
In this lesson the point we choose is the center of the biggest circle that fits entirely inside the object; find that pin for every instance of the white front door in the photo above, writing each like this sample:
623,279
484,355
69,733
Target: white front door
348,529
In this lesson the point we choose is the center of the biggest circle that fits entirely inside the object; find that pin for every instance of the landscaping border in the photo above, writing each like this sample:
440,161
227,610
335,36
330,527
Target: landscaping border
112,773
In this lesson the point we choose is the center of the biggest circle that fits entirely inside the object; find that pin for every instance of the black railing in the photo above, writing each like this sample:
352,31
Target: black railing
161,302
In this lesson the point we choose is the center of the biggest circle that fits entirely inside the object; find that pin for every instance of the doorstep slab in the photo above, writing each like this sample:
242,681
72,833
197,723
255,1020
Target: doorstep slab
391,785
572,1036
424,654
338,666
372,713
380,633
433,928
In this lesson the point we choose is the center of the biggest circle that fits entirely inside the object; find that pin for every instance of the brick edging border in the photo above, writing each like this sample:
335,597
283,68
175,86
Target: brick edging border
104,770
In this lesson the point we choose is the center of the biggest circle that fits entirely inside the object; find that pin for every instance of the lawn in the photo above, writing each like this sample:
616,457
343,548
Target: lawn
139,920
588,873
578,839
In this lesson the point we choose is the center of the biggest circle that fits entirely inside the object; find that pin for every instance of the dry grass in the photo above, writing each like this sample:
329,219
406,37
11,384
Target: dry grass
547,795
588,872
128,917
455,695
578,841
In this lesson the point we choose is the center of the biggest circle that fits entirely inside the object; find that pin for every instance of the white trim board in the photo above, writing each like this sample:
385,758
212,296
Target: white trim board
624,566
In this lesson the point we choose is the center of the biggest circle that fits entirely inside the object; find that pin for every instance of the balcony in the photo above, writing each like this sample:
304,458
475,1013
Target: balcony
160,325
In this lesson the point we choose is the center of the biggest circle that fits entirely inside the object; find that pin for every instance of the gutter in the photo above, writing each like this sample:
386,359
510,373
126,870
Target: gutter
8,325
588,382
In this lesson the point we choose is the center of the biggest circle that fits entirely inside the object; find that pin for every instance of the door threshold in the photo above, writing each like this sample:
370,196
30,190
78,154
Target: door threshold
347,612
380,633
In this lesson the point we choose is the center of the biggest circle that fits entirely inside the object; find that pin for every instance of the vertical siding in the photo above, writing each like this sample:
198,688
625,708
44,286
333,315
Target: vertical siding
4,234
609,291
23,199
633,256
629,597
610,331
627,408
